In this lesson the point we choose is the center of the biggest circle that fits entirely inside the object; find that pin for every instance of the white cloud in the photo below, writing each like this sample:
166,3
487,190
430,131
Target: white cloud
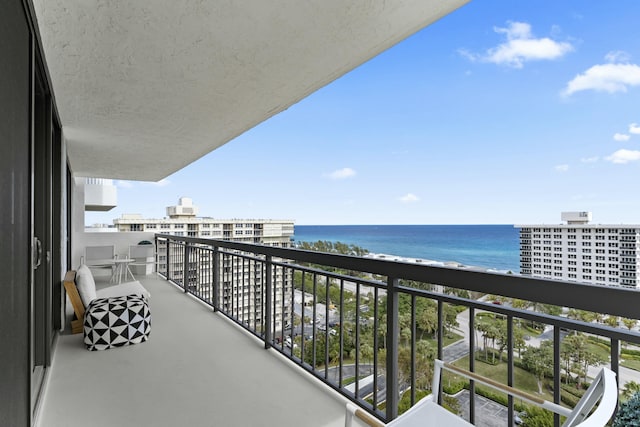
562,168
634,128
621,137
589,159
341,173
617,56
624,156
409,198
609,78
520,47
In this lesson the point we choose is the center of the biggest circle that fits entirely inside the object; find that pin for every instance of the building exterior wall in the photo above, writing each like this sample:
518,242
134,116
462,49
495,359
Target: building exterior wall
241,282
582,252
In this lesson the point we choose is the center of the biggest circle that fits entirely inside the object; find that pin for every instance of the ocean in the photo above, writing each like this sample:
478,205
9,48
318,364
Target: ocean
489,246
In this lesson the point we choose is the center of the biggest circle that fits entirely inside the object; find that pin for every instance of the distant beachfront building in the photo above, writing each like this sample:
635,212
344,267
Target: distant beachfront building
182,220
581,252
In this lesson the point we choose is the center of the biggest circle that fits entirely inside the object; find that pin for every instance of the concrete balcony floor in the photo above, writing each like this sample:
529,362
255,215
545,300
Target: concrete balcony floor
197,369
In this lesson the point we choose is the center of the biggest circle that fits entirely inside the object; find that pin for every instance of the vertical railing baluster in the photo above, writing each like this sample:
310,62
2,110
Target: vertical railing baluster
313,342
509,368
185,267
168,244
341,320
282,310
267,316
376,325
326,330
472,364
357,343
241,289
615,358
413,350
216,279
302,316
274,300
238,290
440,327
392,349
439,340
556,372
157,255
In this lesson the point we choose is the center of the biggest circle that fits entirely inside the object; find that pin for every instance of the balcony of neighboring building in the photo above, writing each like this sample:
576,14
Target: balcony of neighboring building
100,194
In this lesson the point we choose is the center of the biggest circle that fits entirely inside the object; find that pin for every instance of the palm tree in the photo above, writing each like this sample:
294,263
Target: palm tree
630,389
629,323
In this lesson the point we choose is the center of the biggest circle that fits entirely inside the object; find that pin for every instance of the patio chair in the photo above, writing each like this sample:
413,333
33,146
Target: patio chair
143,256
427,412
99,257
81,289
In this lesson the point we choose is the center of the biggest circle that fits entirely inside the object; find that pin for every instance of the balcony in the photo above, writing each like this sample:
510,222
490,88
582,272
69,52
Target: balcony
378,305
355,325
100,194
197,369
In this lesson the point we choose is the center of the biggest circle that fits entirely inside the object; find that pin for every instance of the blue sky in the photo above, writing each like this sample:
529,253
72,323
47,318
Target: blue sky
502,112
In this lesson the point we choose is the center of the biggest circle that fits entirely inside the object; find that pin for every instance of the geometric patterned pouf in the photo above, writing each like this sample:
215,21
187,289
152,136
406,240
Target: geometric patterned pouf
116,321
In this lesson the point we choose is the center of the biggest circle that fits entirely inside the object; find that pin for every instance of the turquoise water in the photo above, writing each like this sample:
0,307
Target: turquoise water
490,246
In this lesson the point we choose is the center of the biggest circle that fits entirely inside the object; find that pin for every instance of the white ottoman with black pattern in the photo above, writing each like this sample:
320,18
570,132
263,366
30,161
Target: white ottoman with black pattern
116,321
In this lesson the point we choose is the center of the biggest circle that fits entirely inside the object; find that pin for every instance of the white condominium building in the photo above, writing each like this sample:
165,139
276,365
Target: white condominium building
182,220
581,252
241,281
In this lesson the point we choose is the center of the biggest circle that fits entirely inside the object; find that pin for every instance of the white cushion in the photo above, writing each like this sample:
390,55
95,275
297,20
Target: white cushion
127,288
86,285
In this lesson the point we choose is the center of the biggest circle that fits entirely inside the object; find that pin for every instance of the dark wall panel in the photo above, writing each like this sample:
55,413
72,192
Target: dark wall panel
14,215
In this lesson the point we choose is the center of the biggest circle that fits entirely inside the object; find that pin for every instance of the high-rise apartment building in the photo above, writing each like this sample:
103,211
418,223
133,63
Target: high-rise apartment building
182,220
578,251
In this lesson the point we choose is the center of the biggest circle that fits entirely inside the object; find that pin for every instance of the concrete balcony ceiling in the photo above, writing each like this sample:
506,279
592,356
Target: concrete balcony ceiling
145,88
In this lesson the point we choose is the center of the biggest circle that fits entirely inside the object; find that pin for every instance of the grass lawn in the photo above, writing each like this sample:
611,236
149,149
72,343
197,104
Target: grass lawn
450,338
523,380
596,349
631,364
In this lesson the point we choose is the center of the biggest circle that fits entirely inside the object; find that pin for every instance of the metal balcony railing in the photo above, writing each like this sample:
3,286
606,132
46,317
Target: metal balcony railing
359,324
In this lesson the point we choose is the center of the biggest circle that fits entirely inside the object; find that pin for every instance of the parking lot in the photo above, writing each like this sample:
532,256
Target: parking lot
488,412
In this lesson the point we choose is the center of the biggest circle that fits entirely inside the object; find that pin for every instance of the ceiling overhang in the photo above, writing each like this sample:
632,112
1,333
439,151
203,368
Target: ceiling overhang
145,88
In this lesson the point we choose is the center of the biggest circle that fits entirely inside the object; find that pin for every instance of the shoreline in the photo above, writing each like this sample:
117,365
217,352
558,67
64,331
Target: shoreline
434,263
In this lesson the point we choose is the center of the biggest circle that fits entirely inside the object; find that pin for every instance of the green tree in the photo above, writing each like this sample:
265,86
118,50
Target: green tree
518,341
450,315
539,361
629,323
366,352
427,322
582,315
550,309
537,417
573,350
490,332
425,355
630,388
612,321
503,338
